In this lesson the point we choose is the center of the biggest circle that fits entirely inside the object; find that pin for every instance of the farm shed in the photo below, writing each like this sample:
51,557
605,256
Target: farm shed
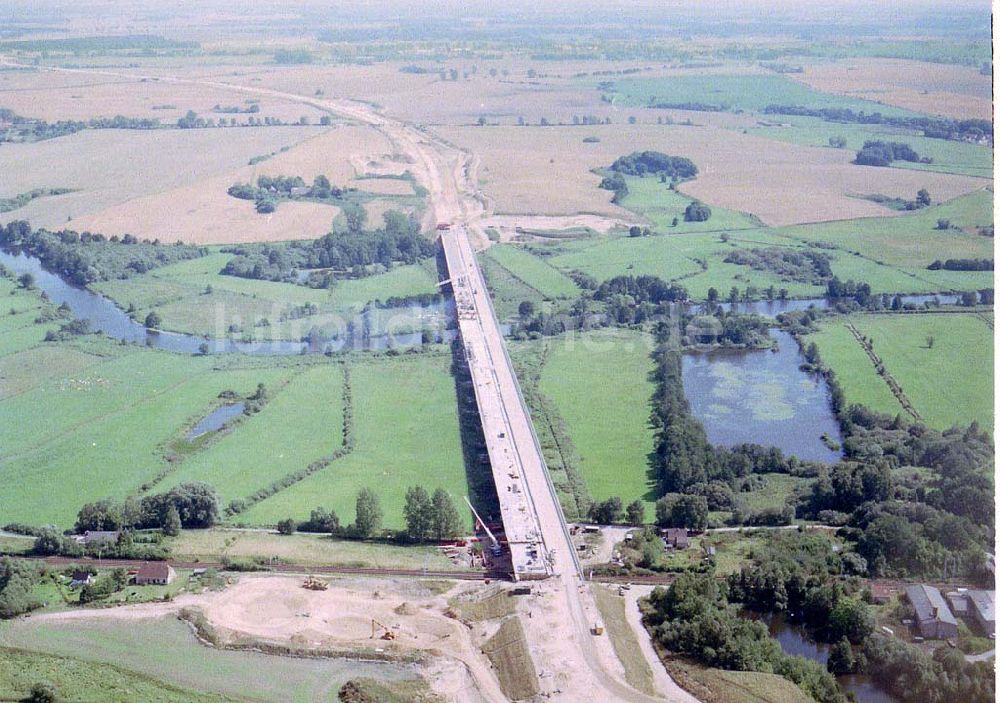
156,573
933,616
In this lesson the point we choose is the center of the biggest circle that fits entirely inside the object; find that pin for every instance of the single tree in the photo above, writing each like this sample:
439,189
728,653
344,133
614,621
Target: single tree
153,320
923,197
446,524
419,513
526,309
368,513
635,513
26,280
841,658
172,522
286,526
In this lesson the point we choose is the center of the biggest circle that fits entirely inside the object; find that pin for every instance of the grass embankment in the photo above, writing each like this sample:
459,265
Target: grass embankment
306,549
165,649
194,297
77,680
721,686
508,651
495,605
949,382
623,639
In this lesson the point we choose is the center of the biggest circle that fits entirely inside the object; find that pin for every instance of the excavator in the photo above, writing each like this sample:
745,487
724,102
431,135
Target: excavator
314,584
387,633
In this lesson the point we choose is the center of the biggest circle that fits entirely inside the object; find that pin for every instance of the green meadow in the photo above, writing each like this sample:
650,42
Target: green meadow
949,381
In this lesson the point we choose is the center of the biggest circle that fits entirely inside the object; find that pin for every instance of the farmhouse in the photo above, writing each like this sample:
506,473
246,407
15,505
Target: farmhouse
156,573
982,605
81,578
934,618
676,538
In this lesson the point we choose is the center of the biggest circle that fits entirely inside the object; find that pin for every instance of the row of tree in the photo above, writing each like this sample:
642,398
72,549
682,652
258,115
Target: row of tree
84,258
428,517
398,241
936,127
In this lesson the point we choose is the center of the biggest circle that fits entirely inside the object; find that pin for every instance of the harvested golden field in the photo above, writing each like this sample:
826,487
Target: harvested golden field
203,213
133,164
547,171
938,89
188,201
560,91
51,95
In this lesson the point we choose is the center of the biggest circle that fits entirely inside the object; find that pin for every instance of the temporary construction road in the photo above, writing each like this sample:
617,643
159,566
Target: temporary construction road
574,664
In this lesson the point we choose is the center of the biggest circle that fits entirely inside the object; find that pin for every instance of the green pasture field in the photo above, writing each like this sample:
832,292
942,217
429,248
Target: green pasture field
26,369
165,650
856,375
18,330
694,261
890,253
949,383
739,92
301,424
911,240
655,201
948,156
775,494
406,434
506,289
305,549
100,431
533,272
180,294
600,385
88,681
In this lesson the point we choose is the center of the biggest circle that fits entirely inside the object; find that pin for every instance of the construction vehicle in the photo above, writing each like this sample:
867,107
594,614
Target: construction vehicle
495,548
387,633
597,629
314,584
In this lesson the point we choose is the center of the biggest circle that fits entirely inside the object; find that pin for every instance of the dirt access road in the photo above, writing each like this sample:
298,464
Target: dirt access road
575,665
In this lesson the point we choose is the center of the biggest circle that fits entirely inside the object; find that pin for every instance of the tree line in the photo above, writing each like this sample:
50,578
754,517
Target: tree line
641,163
398,241
934,127
428,518
962,265
84,258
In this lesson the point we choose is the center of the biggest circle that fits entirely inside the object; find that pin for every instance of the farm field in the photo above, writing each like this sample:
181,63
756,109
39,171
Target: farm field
737,92
533,272
180,295
955,91
203,212
301,424
662,207
166,650
949,383
100,429
133,164
855,373
599,384
548,171
300,548
948,156
406,433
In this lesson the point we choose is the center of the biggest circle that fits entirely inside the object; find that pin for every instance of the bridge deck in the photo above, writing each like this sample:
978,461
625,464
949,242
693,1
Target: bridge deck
509,441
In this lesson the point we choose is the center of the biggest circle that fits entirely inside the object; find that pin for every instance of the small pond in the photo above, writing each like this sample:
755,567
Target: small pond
761,396
794,639
216,419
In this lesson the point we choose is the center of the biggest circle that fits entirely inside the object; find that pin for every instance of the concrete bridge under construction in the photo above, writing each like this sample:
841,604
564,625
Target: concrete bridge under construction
539,543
